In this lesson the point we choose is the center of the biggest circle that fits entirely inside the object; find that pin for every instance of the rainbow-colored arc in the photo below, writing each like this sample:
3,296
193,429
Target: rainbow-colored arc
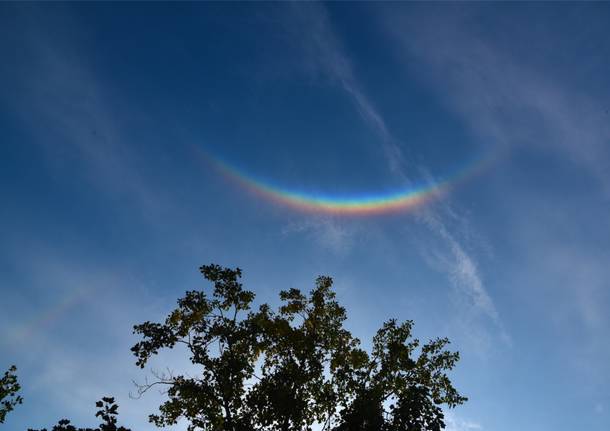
405,199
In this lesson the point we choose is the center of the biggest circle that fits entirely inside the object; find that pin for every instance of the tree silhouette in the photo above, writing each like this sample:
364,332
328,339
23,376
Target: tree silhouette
223,342
289,369
306,353
9,387
396,391
108,412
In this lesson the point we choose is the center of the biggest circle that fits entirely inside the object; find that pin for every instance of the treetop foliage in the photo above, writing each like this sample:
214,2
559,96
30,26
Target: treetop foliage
108,411
295,367
9,387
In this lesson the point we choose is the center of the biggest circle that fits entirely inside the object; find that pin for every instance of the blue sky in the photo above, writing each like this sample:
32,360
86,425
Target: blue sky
108,208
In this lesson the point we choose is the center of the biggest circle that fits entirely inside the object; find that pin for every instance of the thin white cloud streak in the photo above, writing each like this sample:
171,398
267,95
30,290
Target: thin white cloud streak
325,48
332,235
327,54
512,106
455,423
461,268
516,104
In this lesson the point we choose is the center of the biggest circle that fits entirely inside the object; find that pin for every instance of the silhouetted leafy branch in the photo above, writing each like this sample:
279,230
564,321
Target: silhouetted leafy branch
108,412
9,388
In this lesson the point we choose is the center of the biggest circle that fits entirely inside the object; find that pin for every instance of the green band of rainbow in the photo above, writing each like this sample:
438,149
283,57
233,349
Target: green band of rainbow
405,199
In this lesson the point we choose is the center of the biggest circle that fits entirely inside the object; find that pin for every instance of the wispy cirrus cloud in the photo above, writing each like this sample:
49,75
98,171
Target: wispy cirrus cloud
76,119
325,51
512,102
326,54
455,423
461,268
328,232
505,101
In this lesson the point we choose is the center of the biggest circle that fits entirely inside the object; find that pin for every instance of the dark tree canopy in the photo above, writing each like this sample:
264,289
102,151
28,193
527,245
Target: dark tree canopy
306,349
9,388
293,368
221,340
